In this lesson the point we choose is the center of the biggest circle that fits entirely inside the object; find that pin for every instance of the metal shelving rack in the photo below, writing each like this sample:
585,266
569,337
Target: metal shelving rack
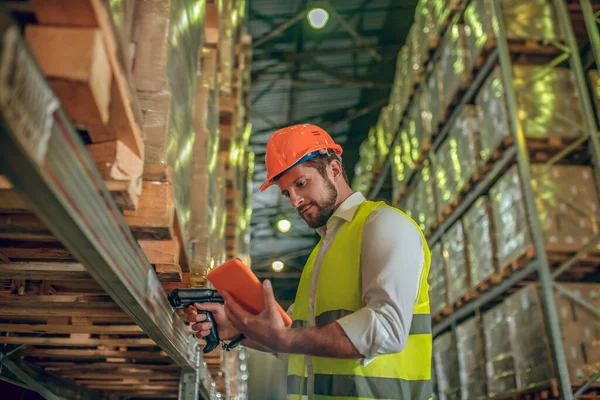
46,161
519,152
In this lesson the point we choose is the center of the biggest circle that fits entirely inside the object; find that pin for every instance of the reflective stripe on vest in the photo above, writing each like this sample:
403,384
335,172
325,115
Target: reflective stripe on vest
421,323
405,375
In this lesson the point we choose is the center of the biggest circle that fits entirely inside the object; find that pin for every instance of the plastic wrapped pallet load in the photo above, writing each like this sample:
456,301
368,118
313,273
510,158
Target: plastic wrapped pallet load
533,20
437,280
454,248
384,133
499,357
479,236
419,128
168,36
455,64
431,100
425,191
397,169
445,355
547,106
567,204
471,360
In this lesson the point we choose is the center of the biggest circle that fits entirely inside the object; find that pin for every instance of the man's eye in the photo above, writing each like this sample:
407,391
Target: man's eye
301,183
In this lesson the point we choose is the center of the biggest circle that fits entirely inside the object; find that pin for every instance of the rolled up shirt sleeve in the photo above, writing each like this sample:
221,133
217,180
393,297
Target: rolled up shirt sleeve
392,262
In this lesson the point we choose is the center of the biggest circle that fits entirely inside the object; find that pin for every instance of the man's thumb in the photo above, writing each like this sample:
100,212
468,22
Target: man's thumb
268,293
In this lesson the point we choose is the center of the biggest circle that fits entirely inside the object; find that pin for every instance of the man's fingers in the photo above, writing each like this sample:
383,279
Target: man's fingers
195,317
236,311
208,306
202,334
270,302
202,326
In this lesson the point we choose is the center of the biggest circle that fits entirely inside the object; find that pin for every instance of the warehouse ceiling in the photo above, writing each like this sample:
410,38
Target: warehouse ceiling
338,77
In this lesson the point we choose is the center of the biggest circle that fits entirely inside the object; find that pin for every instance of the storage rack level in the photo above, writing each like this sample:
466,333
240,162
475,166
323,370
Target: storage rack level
47,163
537,265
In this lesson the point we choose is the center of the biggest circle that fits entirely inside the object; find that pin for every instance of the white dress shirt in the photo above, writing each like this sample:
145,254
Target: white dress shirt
391,264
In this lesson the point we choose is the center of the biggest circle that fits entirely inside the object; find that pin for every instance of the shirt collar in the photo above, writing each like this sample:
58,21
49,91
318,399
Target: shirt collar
345,211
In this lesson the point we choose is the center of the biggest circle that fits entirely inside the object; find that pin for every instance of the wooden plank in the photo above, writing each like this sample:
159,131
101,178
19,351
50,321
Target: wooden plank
21,250
94,354
155,216
101,366
115,160
65,329
76,65
125,193
79,311
116,375
75,342
5,183
161,251
158,173
64,12
11,201
43,271
168,272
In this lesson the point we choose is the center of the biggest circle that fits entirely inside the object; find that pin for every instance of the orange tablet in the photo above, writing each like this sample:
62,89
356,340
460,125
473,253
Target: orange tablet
241,283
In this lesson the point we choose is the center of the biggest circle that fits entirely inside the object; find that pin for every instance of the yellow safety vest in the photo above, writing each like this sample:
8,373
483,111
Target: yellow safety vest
404,375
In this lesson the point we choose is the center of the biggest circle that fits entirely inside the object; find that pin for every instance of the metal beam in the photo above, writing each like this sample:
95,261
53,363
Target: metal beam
49,166
376,105
293,56
354,34
46,385
319,83
278,275
279,30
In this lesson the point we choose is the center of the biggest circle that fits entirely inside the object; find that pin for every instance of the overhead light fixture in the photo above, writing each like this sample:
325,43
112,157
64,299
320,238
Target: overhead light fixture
317,17
284,225
277,266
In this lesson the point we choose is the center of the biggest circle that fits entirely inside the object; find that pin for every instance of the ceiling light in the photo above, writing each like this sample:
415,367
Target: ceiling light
284,225
277,266
317,18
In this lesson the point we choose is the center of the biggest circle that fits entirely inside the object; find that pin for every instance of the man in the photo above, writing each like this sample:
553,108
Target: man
361,321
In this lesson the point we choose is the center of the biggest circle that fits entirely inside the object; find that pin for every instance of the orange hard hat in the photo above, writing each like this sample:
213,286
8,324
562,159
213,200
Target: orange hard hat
293,145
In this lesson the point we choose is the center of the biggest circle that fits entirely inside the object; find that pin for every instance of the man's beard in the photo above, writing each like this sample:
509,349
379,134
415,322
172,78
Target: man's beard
325,209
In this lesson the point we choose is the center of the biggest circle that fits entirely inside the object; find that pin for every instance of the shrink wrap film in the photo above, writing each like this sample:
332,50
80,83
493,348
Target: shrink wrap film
426,212
445,355
432,98
531,20
547,106
437,280
471,360
419,128
443,176
479,236
494,117
568,205
531,352
500,362
384,133
511,229
547,101
397,169
455,64
168,36
456,262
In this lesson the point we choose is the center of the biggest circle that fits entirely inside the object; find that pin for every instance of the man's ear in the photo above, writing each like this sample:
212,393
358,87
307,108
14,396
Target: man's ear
336,169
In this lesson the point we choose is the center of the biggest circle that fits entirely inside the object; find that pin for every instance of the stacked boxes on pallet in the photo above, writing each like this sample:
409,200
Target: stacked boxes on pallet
517,358
438,293
454,65
445,356
567,203
471,360
425,198
499,357
455,256
479,235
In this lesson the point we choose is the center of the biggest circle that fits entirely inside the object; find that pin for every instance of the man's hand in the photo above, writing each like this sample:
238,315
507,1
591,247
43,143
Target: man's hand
266,328
226,329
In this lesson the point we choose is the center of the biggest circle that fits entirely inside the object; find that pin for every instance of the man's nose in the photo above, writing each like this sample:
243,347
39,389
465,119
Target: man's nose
296,199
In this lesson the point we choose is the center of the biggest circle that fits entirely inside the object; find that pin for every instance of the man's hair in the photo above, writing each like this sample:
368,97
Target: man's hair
321,162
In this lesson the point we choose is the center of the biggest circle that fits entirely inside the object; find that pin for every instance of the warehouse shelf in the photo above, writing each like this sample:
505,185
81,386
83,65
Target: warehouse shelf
45,160
545,266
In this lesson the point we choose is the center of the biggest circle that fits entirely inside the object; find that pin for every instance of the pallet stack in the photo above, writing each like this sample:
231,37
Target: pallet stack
517,359
158,92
